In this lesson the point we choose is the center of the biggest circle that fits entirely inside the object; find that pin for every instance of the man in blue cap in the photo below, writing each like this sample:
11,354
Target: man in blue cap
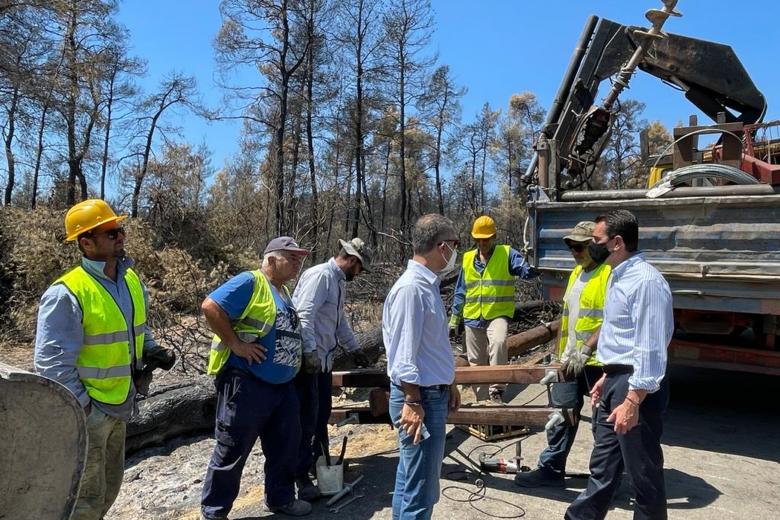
255,354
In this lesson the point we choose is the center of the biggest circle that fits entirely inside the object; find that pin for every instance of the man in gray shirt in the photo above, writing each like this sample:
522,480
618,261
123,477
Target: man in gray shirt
319,302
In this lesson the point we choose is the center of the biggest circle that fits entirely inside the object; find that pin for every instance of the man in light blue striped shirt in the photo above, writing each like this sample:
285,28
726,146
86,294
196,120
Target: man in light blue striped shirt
630,398
421,367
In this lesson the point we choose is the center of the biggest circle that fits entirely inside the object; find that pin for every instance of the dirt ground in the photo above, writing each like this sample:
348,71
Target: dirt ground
720,443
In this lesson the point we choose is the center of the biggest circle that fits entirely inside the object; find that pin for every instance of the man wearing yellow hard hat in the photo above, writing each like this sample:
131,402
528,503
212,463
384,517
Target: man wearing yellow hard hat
92,338
485,299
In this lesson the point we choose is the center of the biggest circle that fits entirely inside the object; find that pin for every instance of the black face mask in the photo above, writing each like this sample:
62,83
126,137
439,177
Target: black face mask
598,252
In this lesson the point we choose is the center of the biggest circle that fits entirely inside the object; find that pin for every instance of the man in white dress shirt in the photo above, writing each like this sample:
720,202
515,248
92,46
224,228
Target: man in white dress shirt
421,367
631,396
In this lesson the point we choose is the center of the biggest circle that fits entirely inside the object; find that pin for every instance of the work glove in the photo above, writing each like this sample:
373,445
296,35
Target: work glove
360,359
154,357
311,362
159,357
575,363
453,325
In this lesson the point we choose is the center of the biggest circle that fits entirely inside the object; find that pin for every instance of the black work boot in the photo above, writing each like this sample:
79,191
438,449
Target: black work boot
306,489
540,477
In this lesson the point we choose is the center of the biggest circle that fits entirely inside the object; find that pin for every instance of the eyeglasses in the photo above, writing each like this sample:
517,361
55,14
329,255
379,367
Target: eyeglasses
455,242
577,248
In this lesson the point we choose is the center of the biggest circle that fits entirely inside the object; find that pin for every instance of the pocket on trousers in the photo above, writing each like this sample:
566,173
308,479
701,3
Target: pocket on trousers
226,411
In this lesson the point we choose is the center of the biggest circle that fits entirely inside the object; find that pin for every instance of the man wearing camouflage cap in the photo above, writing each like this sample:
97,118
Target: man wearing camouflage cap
583,312
319,301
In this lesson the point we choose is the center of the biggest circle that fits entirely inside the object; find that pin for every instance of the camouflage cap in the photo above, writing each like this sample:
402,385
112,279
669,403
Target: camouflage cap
582,232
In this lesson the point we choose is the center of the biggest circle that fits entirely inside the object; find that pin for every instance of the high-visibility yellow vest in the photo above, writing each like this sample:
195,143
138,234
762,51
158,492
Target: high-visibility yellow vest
104,362
492,293
256,321
591,312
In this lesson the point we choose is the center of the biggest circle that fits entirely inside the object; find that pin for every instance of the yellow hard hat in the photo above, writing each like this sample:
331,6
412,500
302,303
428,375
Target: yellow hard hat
484,227
87,215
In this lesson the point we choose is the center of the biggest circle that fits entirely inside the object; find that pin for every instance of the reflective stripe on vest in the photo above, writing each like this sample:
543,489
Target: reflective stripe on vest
489,294
591,312
256,321
104,361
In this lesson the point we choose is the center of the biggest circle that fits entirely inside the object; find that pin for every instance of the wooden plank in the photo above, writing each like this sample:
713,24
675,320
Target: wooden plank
500,374
361,377
463,375
530,416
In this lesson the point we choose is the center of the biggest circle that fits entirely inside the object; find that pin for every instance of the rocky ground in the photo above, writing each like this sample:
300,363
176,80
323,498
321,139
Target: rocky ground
721,447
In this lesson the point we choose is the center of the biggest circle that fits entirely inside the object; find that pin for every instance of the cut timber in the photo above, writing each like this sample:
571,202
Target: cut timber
463,375
361,377
501,374
530,416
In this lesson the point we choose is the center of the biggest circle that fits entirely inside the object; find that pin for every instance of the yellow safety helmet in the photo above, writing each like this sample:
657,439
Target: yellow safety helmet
87,215
484,227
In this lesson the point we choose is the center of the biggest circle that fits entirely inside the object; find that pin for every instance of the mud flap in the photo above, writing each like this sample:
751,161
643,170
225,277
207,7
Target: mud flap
43,446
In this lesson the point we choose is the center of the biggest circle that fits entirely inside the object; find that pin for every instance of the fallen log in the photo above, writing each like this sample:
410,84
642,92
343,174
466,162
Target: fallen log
186,408
518,344
370,344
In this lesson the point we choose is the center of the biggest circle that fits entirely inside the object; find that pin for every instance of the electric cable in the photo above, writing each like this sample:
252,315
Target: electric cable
480,493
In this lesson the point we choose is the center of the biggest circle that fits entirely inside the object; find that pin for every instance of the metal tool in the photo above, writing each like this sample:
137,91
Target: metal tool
336,509
343,451
498,464
352,418
346,489
326,453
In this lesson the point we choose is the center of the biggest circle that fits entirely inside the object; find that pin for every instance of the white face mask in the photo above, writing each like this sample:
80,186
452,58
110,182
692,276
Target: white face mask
448,268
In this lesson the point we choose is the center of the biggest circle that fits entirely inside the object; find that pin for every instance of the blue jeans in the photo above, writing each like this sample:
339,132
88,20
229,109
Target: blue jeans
419,466
569,394
248,408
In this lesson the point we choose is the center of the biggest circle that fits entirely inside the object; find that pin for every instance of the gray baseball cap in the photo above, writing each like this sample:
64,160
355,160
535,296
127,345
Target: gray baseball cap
285,244
582,232
357,248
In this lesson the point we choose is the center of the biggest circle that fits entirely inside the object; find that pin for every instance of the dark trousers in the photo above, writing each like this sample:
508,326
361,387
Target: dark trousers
324,406
569,394
306,387
638,451
248,408
314,394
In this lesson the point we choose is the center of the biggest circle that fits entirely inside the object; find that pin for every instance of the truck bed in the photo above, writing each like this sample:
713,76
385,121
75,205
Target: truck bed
719,254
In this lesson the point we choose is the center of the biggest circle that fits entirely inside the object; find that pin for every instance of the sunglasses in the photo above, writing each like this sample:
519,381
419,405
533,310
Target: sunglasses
111,234
577,248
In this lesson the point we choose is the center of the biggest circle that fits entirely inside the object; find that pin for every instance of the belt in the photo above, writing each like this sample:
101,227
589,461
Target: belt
618,369
441,388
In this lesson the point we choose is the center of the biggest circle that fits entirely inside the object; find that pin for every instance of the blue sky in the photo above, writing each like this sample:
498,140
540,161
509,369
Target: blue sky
494,47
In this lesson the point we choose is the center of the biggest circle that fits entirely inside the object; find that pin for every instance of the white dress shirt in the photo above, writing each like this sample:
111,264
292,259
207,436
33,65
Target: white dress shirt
638,322
414,329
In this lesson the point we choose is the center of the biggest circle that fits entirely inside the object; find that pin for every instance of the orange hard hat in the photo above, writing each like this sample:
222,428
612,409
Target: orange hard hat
88,214
484,227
